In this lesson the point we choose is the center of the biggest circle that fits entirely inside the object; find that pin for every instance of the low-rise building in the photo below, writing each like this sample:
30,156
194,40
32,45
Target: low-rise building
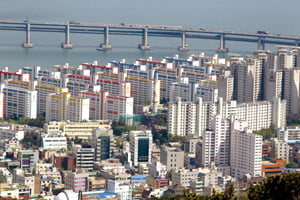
172,157
54,142
76,181
269,168
82,130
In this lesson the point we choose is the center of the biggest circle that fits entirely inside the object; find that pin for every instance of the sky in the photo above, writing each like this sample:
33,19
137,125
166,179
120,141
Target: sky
241,15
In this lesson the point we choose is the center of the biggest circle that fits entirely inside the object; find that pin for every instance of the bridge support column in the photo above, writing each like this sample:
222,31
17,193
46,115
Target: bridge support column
222,48
67,44
183,46
260,44
27,44
105,45
144,45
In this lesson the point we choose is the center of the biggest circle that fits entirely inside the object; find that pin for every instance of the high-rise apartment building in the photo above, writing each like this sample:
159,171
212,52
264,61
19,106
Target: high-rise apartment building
116,107
18,103
62,106
291,91
97,103
192,118
245,150
216,143
225,86
274,83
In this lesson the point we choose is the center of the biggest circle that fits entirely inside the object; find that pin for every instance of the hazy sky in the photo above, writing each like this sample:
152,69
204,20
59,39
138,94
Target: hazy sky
275,16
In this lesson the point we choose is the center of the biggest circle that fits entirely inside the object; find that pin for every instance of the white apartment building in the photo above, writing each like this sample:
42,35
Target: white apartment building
117,88
289,133
287,58
183,176
123,189
18,76
292,91
18,84
78,109
181,89
61,106
279,113
225,86
245,150
282,150
143,89
157,169
258,114
54,142
274,83
43,90
216,143
117,107
97,103
78,78
56,105
209,176
94,68
207,90
167,77
50,81
182,117
18,103
192,118
75,87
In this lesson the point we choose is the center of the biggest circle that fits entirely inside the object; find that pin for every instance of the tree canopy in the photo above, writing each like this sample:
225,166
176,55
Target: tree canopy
277,187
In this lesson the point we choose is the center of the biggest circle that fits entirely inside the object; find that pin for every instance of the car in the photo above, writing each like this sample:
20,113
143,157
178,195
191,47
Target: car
73,22
262,32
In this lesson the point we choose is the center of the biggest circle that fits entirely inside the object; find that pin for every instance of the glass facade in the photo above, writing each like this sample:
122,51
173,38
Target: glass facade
143,150
105,147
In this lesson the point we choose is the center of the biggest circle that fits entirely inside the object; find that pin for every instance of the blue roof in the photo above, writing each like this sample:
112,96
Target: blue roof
102,195
293,141
139,178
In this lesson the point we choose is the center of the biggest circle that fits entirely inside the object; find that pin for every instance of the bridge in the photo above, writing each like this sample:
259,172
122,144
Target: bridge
145,31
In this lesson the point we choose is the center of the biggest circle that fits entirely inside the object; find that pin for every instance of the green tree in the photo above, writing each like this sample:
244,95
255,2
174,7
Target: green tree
267,133
285,187
31,139
228,194
119,130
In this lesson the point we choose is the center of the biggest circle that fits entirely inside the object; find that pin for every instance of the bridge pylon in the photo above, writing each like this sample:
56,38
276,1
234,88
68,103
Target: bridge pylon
67,44
144,46
105,45
183,46
27,44
222,48
260,44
